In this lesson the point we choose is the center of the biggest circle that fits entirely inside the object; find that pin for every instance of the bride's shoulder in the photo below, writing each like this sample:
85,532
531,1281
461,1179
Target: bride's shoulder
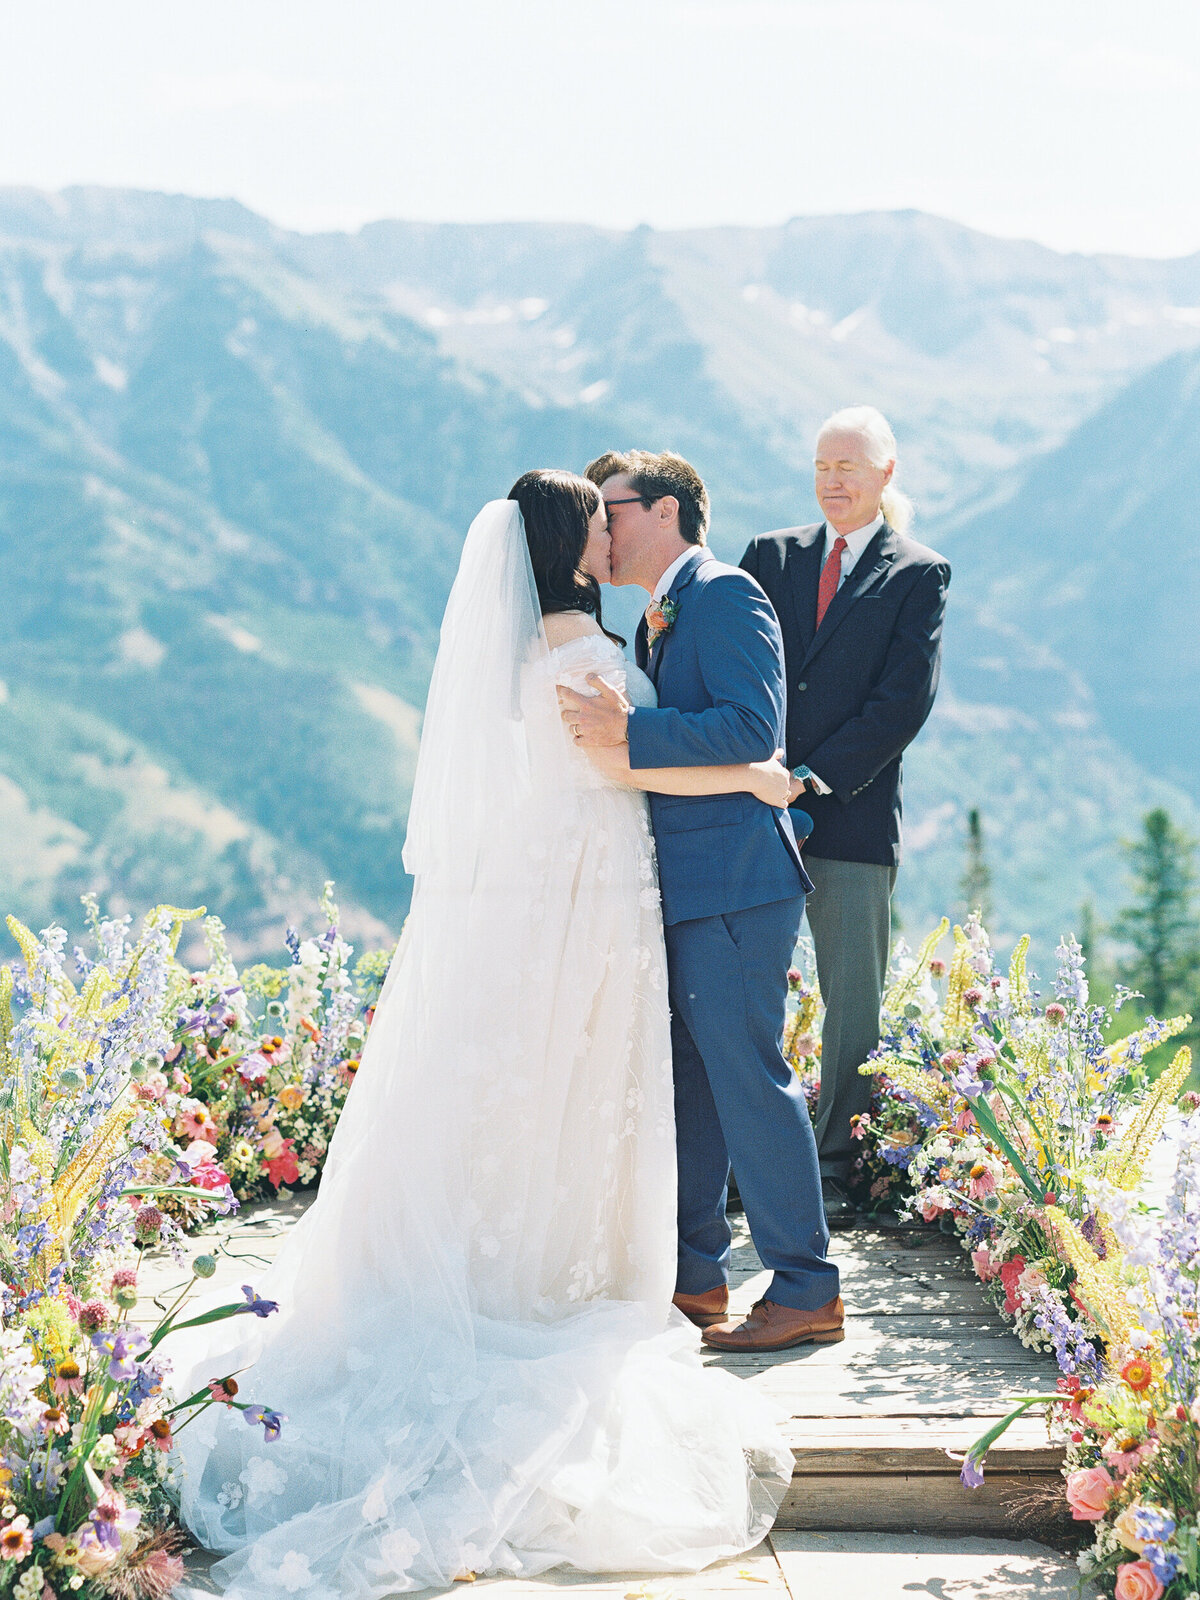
564,626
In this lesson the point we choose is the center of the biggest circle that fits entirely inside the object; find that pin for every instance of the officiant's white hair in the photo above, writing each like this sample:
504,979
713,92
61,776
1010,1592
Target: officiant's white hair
875,431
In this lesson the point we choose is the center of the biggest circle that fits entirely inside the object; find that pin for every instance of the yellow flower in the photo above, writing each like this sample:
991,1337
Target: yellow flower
1124,1166
291,1097
1125,1530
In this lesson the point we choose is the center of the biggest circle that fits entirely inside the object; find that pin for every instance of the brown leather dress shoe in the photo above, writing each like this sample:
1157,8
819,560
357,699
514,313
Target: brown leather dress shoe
704,1309
771,1326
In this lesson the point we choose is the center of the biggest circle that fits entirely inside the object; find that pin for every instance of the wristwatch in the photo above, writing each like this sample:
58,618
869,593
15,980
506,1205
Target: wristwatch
802,774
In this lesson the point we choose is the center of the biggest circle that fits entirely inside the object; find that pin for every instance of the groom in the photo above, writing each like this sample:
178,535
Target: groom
733,889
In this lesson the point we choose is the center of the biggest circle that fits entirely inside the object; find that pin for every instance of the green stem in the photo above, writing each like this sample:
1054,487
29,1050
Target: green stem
984,1443
217,1314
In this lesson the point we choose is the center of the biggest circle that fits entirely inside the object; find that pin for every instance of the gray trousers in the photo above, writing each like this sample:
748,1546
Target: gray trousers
849,915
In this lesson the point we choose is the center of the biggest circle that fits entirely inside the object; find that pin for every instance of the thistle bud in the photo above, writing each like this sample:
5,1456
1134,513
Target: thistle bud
126,1298
204,1266
71,1080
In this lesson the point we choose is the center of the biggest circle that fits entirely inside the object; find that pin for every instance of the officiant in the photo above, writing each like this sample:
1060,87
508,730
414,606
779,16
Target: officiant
860,603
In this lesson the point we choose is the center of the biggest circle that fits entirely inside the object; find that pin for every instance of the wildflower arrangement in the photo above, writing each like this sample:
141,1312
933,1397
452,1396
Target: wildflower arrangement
1133,1453
1012,1107
86,1160
1031,1135
264,1060
802,1029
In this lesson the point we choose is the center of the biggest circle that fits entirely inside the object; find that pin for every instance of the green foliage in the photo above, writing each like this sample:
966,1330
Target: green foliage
977,876
1160,922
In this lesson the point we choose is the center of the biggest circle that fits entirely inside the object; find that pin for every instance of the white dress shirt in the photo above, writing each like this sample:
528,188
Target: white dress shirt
856,543
663,585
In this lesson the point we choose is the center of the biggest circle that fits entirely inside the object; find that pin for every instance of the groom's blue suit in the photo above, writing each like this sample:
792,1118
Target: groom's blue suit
733,888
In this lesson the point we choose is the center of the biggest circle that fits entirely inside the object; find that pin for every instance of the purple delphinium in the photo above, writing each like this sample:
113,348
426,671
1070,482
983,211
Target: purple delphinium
1073,1350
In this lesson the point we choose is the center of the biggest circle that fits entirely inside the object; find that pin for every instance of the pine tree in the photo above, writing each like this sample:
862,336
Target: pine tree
1160,923
1088,931
976,885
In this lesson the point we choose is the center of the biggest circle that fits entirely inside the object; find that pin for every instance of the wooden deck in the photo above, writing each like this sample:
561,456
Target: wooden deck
925,1367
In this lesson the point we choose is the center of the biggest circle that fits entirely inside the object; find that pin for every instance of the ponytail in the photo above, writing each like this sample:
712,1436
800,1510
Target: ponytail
897,509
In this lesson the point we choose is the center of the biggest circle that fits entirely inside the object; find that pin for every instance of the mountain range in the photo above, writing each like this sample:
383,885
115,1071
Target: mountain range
237,465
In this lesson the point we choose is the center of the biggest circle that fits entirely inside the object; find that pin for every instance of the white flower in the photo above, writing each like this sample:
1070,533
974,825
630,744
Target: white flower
398,1549
29,1585
230,1496
294,1573
262,1477
1139,1339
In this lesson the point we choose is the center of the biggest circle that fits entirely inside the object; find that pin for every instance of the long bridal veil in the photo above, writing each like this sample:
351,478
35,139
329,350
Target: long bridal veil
475,1347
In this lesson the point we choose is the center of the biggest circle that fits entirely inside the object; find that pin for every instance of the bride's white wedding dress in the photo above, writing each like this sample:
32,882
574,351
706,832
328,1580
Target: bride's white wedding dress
475,1347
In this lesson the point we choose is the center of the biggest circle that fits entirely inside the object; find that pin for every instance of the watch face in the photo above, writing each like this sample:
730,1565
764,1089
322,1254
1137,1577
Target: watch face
801,773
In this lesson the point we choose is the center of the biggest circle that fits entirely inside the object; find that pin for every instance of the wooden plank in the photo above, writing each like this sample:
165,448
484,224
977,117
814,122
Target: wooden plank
888,1501
843,1454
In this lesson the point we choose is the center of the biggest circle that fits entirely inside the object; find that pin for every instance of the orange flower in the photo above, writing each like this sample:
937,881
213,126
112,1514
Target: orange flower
1138,1374
291,1097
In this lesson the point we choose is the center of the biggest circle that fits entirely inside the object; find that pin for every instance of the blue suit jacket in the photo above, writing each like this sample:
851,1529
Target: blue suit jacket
720,680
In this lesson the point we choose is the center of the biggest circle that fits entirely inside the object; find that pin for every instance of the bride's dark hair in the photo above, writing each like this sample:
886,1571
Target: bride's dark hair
556,508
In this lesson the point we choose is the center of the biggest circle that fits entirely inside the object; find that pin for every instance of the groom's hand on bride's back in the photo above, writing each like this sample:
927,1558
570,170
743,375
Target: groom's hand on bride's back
594,721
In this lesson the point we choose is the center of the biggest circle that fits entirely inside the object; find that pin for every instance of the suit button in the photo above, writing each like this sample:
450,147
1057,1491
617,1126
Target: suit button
802,686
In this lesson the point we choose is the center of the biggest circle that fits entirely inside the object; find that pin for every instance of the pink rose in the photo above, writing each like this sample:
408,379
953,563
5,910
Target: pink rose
1136,1581
1030,1281
1089,1492
985,1268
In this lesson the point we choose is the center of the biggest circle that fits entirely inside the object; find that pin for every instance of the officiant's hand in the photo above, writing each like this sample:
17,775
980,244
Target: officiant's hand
596,720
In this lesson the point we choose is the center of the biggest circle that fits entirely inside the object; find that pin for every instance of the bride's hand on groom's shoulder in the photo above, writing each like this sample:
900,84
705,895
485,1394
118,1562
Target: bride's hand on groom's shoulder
771,782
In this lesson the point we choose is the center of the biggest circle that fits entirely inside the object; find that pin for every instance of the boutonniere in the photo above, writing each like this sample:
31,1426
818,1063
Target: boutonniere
660,619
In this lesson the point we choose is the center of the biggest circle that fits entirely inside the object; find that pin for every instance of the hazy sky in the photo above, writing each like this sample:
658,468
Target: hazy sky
1076,122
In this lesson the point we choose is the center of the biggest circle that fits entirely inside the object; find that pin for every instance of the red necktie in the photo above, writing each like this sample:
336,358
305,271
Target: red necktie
831,574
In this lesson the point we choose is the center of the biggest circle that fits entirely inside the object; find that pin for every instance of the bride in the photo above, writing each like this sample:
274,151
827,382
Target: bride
476,1350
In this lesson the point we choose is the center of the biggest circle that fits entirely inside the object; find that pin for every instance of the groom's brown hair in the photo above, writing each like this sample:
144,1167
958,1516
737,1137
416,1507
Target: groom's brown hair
653,476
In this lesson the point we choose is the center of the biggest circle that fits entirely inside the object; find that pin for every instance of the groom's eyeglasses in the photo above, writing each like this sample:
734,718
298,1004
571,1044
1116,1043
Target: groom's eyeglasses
634,500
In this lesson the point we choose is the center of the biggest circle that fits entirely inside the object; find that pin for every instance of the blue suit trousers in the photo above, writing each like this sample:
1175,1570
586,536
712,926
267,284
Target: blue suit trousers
737,1099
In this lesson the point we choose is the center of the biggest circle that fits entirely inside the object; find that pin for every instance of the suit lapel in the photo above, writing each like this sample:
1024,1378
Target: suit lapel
678,584
875,559
640,653
802,579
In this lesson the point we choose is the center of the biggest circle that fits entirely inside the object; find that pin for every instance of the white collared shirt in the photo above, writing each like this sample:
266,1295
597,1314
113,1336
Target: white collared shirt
856,543
662,587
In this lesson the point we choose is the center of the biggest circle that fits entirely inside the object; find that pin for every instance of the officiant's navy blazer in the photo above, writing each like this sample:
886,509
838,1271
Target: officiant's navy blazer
860,686
720,681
